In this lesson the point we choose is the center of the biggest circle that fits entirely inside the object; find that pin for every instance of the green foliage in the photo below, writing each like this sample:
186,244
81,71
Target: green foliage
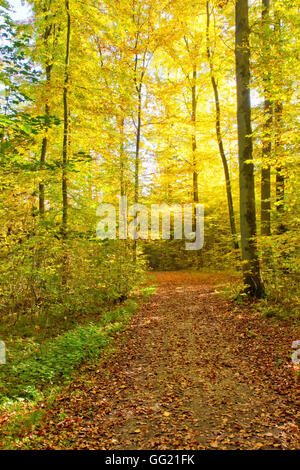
281,268
43,282
54,360
217,252
285,310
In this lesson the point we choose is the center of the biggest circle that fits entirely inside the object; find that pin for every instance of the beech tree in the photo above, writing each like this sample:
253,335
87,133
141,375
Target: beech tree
250,260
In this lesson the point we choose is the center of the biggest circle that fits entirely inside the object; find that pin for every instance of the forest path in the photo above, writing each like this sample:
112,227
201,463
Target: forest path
192,371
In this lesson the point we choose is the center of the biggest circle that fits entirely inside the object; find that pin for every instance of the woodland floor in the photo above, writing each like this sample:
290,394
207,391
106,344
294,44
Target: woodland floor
193,370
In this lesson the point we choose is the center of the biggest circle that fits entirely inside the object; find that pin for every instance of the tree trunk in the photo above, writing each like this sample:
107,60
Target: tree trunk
219,138
280,180
137,159
266,144
194,157
137,148
44,151
66,128
47,114
251,269
120,122
194,142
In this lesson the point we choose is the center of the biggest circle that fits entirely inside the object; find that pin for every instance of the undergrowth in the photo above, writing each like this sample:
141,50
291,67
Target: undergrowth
32,377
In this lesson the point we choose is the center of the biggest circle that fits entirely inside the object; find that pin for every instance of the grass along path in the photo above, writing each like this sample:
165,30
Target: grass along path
192,371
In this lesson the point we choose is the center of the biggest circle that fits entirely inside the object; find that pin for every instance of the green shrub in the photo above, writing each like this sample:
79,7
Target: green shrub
56,359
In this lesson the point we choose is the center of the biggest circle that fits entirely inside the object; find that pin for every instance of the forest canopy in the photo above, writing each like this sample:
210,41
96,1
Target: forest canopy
172,102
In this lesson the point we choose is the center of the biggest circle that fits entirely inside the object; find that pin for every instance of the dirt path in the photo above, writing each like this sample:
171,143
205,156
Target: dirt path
193,371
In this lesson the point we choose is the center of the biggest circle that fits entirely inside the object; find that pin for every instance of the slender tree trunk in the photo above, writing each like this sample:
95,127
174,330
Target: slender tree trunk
44,151
121,152
137,159
194,157
267,146
120,121
280,180
194,141
251,267
137,148
47,114
219,137
66,128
